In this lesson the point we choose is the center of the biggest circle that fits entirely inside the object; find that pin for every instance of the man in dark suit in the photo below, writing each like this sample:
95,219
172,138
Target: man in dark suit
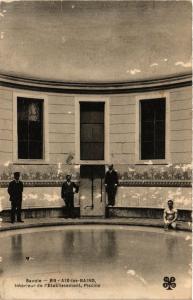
69,188
15,190
111,183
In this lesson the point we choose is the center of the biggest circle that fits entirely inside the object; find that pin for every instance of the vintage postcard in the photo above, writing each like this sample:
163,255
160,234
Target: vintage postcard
95,150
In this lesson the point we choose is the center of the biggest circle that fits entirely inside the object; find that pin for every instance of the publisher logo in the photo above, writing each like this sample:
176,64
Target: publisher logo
169,283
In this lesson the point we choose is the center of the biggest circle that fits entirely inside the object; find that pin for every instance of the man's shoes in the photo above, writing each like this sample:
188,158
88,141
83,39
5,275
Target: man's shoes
20,221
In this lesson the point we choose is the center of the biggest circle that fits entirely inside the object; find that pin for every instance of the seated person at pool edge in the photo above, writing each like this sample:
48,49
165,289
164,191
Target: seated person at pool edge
170,216
69,188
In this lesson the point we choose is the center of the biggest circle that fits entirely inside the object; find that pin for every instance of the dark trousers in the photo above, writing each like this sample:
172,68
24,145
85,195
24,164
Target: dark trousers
111,193
16,210
69,201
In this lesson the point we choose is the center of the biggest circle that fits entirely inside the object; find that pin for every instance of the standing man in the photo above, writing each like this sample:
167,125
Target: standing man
69,188
111,182
15,190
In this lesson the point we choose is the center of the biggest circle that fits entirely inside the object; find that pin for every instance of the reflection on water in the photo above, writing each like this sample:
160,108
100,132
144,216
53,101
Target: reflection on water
68,244
115,256
110,247
97,247
170,244
16,249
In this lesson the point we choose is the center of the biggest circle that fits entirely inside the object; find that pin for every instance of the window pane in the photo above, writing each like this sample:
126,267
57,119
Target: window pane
35,149
160,130
160,150
23,149
23,130
92,112
35,131
92,151
91,130
147,131
160,110
147,150
92,133
153,129
30,128
148,113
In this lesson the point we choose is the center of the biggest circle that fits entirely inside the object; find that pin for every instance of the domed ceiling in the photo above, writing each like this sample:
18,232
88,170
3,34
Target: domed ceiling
95,41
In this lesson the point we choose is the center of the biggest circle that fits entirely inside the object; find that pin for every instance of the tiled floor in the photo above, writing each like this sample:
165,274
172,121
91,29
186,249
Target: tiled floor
5,225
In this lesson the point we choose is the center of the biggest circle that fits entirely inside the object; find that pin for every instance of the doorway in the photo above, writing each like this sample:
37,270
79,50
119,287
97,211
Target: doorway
92,192
92,151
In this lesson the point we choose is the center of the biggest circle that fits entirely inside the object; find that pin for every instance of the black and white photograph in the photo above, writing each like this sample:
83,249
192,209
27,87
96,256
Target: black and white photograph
95,150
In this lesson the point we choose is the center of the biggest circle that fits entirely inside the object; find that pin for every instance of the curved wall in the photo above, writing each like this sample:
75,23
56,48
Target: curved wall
146,184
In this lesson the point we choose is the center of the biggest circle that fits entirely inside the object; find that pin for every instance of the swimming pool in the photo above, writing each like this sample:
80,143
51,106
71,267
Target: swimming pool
94,262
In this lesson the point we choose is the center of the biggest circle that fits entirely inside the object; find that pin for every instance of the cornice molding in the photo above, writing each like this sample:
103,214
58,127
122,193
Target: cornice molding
95,88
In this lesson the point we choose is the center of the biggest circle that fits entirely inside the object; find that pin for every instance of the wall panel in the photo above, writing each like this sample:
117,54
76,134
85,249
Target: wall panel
6,125
58,99
60,137
181,125
61,148
122,127
6,135
61,128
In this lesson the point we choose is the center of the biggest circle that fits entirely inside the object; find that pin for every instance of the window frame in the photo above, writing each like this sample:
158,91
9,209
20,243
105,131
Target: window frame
36,96
152,96
91,98
87,123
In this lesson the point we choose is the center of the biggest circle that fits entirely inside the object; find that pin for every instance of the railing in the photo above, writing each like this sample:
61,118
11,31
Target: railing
124,183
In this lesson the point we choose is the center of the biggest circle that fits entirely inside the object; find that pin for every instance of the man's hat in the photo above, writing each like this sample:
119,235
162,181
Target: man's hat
16,173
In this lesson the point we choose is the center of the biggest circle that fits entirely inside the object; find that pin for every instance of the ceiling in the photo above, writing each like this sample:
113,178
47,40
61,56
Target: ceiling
95,41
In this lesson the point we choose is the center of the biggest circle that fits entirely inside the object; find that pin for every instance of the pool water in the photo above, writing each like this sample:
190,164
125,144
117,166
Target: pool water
94,262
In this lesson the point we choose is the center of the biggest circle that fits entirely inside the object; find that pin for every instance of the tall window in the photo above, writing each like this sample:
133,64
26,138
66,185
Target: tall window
30,128
91,130
153,113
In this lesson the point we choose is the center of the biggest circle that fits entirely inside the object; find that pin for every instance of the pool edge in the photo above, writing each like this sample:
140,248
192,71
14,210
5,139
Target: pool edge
182,226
